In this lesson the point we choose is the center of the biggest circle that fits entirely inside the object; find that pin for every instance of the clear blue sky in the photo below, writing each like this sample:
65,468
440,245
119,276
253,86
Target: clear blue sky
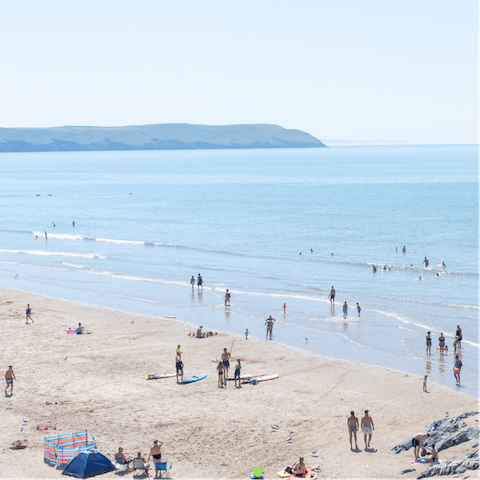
338,69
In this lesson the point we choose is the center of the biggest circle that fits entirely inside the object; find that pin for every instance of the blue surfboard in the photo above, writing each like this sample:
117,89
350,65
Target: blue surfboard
195,378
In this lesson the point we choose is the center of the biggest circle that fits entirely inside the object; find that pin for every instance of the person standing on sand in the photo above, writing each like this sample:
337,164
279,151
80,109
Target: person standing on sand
367,428
192,282
332,294
155,451
179,366
269,323
441,343
246,334
29,313
9,378
352,422
238,368
429,344
457,367
226,361
345,309
220,374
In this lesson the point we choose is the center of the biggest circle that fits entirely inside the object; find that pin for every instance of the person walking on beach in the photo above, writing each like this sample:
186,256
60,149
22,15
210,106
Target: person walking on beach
199,281
426,262
429,344
457,367
284,308
192,282
238,368
352,422
227,298
177,351
9,377
155,451
220,374
345,309
179,366
226,361
441,343
29,313
269,323
367,428
332,294
359,309
458,333
246,334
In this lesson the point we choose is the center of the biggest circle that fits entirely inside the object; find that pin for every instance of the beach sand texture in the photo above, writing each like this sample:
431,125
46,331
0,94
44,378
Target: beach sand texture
207,432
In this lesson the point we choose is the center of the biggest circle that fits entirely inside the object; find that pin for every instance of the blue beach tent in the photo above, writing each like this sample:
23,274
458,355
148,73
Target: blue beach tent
88,464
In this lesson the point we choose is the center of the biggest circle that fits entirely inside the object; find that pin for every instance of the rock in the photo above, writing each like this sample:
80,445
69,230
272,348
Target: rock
448,424
473,454
452,440
466,415
472,432
434,437
475,444
402,447
460,470
407,470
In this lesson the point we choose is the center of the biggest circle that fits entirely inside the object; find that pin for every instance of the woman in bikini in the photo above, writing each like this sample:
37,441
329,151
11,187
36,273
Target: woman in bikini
220,374
299,469
155,453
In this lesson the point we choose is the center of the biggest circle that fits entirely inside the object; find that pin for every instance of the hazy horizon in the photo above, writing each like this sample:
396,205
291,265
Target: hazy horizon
347,71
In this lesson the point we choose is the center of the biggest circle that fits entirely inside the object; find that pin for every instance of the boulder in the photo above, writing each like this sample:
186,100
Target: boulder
452,440
402,447
407,470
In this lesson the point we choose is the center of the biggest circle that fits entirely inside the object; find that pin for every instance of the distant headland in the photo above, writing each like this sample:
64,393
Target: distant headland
166,136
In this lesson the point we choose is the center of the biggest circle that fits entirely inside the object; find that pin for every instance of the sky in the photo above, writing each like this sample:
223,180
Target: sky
338,69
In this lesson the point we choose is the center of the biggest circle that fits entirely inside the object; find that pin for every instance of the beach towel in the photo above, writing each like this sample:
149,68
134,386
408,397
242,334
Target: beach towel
424,461
310,474
74,332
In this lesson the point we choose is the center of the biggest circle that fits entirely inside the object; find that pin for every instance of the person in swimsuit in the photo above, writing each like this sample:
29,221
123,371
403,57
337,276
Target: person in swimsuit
9,377
367,428
345,310
458,334
284,308
226,361
179,366
199,281
433,453
441,343
238,368
73,223
200,334
220,375
46,236
332,294
246,334
155,452
456,344
299,469
417,443
374,269
404,249
29,313
80,329
121,458
352,422
426,262
269,323
429,344
227,298
457,367
359,309
192,282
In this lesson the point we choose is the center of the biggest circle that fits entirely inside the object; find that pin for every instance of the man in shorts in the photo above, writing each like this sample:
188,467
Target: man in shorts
269,323
352,422
367,427
9,377
441,343
457,368
226,361
332,294
417,443
238,368
179,366
29,313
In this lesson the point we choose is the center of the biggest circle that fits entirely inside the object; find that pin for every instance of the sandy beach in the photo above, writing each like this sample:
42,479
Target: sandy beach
207,432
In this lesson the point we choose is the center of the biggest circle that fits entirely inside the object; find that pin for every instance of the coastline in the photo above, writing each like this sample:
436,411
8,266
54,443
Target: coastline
207,431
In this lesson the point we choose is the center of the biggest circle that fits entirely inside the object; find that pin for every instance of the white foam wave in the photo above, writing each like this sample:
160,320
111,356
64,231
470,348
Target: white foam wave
61,236
54,254
126,242
72,265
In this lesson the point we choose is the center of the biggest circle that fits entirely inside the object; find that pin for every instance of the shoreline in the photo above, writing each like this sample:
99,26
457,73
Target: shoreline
208,432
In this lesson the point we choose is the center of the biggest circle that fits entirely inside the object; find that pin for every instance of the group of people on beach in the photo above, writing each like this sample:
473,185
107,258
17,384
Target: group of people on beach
420,450
367,427
223,368
199,282
331,297
139,462
457,345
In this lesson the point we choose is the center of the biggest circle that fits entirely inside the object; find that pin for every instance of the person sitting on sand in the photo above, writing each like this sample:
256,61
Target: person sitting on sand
352,423
199,332
80,329
299,469
433,453
121,458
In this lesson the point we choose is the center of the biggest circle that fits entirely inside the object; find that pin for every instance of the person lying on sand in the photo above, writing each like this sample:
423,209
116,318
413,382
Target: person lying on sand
299,469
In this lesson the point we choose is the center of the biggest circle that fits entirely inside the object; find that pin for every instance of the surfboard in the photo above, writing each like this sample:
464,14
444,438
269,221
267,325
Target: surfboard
156,376
195,378
242,377
170,317
263,378
441,266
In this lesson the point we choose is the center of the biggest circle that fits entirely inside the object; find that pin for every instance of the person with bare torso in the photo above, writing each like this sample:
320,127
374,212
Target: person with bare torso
226,361
9,377
155,451
269,323
352,422
367,427
299,469
220,374
417,443
441,343
429,344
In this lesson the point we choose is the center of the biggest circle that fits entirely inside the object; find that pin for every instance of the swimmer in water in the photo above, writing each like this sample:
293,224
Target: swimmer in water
419,278
443,264
374,268
73,223
404,249
311,251
46,234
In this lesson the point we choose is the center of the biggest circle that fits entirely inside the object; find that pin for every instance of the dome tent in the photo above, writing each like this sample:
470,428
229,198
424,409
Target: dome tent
88,464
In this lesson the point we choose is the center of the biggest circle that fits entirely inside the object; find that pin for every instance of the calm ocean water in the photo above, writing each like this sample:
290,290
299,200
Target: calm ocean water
147,221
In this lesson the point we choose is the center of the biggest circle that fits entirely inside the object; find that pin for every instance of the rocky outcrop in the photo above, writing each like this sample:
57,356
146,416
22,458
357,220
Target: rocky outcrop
407,470
456,467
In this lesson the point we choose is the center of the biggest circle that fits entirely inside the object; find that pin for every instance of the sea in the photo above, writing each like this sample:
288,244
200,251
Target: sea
275,227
